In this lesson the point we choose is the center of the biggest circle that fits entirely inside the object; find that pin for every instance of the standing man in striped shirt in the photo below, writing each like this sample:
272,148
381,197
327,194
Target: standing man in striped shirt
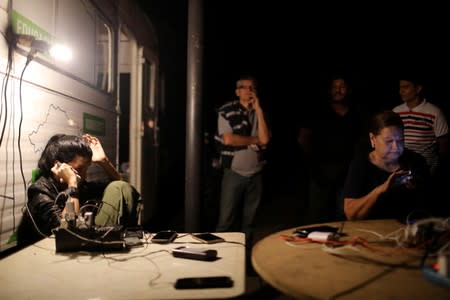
426,129
244,134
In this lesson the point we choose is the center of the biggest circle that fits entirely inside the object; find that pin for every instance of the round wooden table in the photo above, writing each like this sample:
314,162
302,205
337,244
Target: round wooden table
313,271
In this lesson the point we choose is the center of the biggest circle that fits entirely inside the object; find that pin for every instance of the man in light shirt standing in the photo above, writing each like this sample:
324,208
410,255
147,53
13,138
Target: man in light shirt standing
426,133
426,129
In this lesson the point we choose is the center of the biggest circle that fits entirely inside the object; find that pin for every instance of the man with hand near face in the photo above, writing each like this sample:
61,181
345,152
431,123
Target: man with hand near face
244,134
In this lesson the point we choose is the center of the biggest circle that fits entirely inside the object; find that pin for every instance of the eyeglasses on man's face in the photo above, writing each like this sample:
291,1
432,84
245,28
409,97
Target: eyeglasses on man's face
247,87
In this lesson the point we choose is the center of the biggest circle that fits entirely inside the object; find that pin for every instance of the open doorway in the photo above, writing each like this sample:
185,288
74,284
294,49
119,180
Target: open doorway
124,124
138,123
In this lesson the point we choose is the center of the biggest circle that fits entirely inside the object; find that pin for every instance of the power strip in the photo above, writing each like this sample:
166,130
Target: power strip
91,239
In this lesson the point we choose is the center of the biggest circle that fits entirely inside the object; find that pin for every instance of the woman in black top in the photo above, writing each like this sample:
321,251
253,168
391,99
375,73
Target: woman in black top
389,181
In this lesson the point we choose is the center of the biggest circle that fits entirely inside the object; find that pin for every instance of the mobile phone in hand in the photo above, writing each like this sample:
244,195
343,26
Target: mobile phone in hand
402,178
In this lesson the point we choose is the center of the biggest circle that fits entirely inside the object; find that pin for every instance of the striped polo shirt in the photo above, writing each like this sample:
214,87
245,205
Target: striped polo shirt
423,125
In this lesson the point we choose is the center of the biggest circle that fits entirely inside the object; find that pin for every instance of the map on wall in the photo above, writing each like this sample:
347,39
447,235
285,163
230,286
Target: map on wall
51,125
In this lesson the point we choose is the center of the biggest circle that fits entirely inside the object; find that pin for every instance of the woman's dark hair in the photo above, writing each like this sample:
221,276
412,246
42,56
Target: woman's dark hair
63,148
384,119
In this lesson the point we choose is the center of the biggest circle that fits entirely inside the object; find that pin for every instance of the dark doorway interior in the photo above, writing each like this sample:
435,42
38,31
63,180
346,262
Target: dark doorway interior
124,135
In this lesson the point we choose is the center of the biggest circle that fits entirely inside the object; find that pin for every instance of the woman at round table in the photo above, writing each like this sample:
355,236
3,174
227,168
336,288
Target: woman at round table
389,181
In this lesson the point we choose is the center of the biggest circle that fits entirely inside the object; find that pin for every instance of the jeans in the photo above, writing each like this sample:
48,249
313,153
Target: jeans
240,198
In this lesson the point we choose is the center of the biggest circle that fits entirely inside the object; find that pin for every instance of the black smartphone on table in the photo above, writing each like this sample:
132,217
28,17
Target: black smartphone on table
164,237
207,238
204,282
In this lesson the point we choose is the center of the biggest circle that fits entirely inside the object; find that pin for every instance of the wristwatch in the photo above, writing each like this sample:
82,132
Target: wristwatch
73,192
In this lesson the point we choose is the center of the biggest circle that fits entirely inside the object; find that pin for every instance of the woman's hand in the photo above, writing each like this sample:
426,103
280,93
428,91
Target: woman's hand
399,177
403,177
98,154
64,173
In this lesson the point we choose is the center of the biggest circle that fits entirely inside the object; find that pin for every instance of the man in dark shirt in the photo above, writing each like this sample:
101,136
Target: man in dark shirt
329,139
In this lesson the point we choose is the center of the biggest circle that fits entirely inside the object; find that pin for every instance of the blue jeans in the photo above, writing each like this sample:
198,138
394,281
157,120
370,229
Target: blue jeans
240,198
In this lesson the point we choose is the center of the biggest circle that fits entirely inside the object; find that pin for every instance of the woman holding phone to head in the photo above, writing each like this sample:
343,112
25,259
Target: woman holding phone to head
63,180
389,181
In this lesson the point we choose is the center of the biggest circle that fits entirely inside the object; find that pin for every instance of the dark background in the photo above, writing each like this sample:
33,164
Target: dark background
292,48
300,45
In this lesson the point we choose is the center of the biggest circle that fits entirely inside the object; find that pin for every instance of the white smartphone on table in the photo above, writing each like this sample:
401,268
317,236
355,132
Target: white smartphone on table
207,238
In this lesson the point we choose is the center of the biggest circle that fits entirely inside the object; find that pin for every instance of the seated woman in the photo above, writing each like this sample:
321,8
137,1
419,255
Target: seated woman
63,170
389,181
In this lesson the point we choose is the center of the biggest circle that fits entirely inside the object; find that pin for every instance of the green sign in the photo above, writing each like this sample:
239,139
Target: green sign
94,125
22,25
